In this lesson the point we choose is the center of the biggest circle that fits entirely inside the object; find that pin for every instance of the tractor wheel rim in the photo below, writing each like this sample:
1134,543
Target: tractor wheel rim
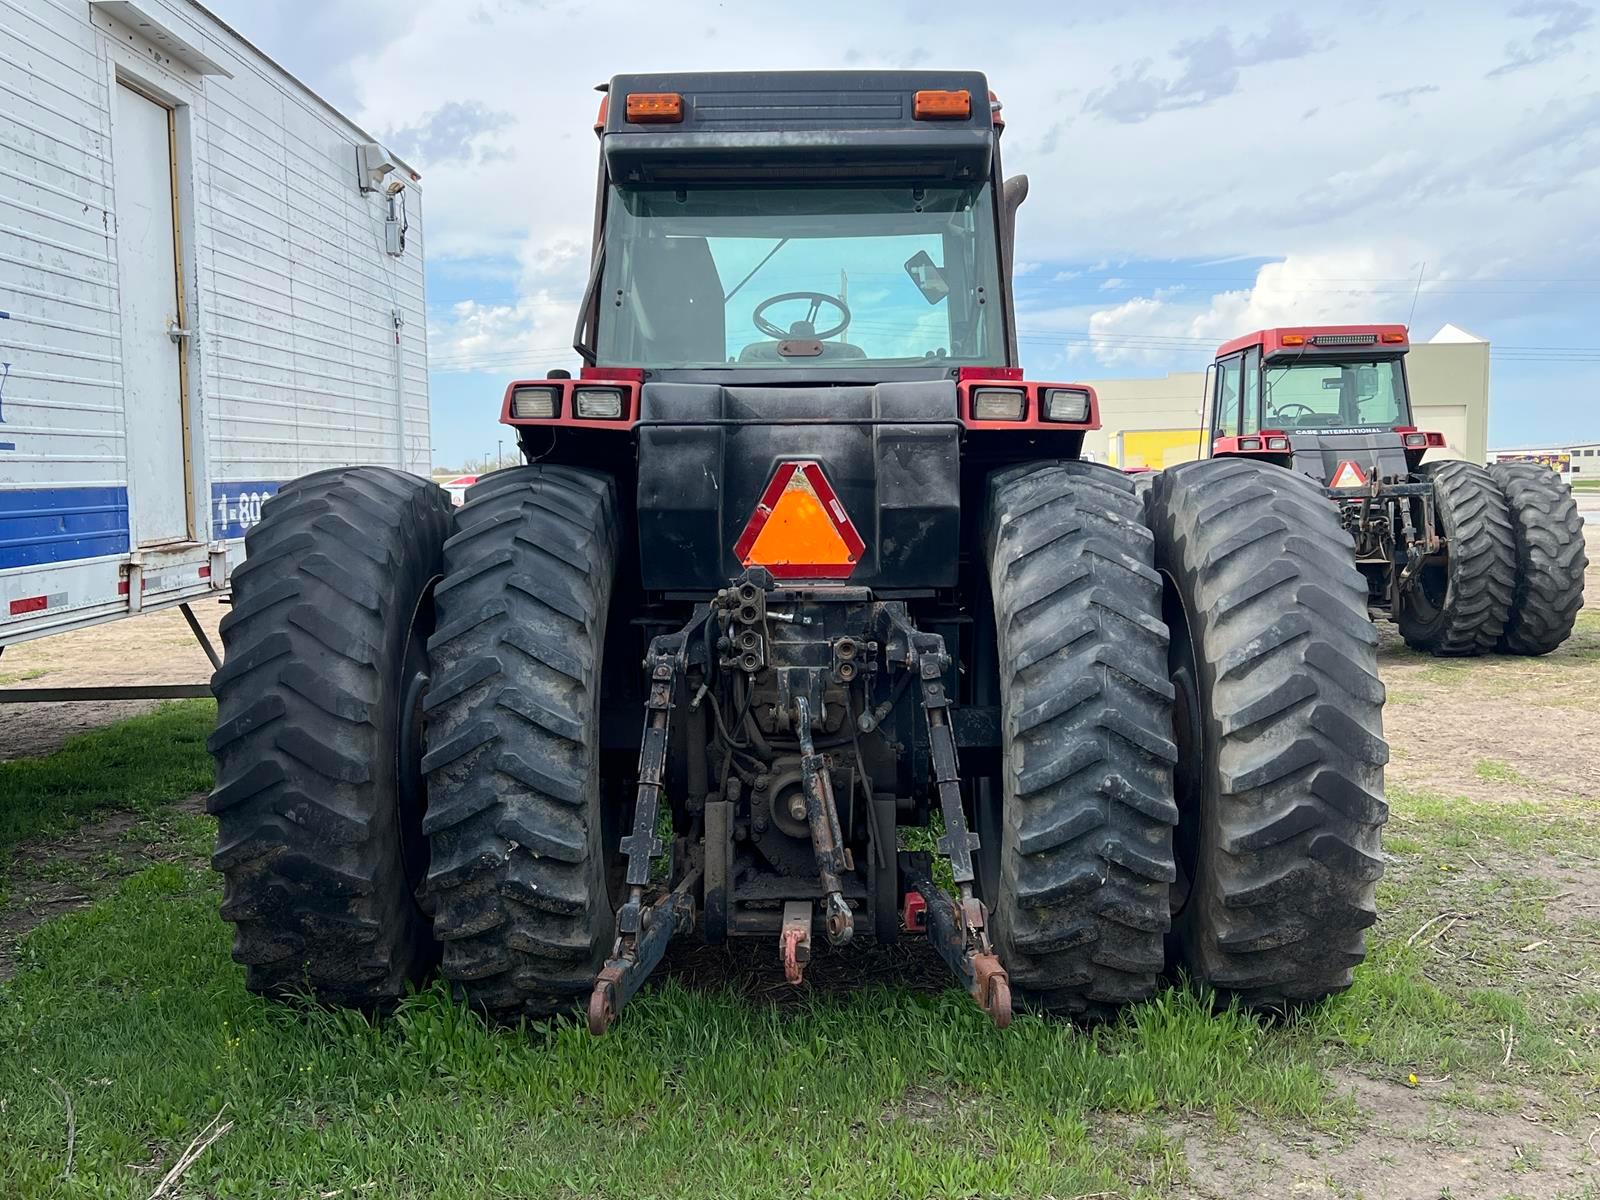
411,785
1188,734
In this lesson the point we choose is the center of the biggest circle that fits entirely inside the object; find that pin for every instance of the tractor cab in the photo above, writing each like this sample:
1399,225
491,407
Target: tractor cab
797,561
1330,402
838,223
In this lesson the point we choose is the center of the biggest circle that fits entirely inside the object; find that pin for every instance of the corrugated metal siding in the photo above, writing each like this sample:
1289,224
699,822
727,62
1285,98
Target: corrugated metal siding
293,363
61,403
295,332
301,359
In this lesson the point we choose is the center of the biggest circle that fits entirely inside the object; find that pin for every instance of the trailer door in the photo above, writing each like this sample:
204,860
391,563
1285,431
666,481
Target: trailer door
151,318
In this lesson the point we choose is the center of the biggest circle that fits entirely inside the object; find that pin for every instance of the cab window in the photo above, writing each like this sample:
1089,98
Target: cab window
1225,411
1336,395
1252,391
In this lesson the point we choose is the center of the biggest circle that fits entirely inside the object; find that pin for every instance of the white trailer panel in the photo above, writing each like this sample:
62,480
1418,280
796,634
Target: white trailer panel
198,303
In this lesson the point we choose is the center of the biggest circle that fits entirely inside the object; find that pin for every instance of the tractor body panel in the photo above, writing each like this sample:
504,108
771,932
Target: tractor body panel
1379,454
708,451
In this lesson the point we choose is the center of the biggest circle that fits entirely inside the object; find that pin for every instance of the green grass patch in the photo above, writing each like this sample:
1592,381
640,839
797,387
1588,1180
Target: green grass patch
695,1093
134,1007
22,676
1441,824
1467,960
1495,771
138,765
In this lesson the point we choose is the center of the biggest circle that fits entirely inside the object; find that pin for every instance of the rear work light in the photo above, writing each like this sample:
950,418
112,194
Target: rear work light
1344,339
1416,441
999,404
645,108
1065,404
1277,443
534,403
1249,443
942,106
598,403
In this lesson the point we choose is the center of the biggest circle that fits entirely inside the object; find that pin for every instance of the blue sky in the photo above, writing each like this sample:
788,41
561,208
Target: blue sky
1197,170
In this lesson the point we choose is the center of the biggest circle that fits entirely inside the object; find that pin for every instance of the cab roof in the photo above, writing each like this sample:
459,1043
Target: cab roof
1271,340
743,126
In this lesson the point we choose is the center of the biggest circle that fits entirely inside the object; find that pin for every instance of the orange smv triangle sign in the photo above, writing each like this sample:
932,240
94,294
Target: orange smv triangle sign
799,529
1348,476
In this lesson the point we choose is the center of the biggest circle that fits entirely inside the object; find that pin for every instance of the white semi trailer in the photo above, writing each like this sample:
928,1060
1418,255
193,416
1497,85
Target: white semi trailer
210,283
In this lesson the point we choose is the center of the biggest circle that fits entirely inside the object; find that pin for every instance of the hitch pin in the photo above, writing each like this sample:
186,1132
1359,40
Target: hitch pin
698,696
791,618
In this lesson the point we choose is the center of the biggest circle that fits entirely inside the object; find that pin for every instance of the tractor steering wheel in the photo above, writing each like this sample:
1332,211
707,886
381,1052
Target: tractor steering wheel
1283,409
818,299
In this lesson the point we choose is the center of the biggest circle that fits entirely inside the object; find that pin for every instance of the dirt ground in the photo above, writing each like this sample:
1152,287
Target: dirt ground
1414,1147
154,648
1499,727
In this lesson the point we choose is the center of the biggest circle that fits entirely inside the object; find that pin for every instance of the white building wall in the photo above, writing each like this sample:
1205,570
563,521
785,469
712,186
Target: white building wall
308,339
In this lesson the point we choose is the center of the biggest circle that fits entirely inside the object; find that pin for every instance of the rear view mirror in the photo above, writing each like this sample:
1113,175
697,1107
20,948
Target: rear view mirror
926,274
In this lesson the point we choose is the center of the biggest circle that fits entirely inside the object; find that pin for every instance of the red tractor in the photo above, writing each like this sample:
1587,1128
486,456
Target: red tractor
1466,559
798,560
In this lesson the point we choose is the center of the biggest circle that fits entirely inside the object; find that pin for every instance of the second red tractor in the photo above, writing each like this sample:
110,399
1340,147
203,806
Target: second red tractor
1466,559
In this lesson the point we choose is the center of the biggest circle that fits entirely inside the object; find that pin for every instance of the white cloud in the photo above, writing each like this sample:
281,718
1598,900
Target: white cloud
1346,286
1560,21
1210,69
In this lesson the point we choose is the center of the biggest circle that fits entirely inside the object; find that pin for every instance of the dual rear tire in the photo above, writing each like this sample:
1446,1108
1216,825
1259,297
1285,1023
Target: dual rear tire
318,794
1511,577
1209,647
405,748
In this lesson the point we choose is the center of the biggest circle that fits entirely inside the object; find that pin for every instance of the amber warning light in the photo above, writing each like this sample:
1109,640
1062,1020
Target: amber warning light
941,106
645,108
799,529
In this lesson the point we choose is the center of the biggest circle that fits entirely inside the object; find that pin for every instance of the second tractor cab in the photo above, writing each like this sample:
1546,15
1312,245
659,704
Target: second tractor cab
1446,546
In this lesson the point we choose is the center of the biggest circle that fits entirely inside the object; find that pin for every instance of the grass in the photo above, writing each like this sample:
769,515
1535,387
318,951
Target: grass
1492,770
137,765
22,676
135,1011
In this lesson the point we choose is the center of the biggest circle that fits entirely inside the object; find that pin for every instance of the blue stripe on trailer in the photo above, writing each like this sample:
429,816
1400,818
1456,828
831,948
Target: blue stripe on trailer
235,507
39,526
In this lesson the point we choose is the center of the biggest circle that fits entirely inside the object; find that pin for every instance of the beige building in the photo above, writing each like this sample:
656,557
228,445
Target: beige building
1157,422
